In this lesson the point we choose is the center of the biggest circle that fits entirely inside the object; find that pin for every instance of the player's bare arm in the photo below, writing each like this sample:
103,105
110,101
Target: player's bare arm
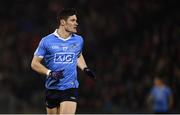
149,102
82,65
37,66
81,62
171,101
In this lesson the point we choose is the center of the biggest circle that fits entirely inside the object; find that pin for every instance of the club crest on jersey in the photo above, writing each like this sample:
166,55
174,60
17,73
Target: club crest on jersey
74,45
64,58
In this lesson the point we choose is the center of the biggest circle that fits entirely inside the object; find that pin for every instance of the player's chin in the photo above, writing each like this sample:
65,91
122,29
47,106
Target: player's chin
74,31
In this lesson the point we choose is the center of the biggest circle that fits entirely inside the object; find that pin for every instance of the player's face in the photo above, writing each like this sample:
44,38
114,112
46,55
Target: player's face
157,82
71,24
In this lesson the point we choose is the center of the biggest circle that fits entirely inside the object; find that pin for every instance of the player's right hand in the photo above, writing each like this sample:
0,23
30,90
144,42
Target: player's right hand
56,74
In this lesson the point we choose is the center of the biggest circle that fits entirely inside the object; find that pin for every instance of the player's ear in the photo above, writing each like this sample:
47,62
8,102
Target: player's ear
62,22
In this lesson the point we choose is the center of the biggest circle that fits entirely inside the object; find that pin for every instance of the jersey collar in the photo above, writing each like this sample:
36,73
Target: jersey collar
57,35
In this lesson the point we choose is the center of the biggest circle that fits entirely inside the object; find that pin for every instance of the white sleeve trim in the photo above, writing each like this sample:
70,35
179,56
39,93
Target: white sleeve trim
39,56
47,73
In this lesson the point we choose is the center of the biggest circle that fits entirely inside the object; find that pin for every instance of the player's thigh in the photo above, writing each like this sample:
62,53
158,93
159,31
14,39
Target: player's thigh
52,110
68,107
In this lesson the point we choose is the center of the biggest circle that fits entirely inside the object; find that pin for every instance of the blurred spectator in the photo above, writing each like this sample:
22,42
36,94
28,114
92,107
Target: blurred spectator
160,98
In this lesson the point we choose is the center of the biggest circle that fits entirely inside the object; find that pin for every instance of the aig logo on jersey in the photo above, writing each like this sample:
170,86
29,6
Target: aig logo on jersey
64,58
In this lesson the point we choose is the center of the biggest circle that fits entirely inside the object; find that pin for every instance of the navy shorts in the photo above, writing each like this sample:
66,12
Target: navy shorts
55,97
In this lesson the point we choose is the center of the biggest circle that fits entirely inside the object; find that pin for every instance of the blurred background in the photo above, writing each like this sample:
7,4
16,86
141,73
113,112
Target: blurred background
127,43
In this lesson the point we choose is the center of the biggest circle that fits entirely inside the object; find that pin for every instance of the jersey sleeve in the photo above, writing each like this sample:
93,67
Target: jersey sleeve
168,91
81,46
41,49
152,92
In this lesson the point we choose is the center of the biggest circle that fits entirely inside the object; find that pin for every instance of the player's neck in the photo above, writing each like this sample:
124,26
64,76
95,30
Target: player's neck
63,33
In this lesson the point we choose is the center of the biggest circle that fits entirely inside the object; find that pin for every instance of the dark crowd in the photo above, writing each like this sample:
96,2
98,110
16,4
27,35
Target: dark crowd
127,43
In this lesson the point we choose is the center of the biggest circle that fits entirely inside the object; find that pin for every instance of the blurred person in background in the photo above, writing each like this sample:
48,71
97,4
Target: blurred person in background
160,99
57,57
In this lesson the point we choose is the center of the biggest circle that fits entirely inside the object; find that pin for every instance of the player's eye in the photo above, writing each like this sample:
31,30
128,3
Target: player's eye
73,20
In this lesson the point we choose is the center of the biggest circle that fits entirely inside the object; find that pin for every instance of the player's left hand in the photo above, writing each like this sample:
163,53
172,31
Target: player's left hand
90,73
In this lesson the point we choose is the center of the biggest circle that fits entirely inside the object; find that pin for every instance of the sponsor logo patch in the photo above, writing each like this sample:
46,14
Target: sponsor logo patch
64,58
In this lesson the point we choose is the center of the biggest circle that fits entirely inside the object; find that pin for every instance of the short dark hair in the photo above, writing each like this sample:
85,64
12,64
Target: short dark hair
65,13
161,78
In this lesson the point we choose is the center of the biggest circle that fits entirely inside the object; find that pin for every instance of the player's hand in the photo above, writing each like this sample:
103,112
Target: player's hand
90,73
56,74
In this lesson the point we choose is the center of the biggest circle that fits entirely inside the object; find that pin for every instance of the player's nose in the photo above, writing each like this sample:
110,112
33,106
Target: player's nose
76,23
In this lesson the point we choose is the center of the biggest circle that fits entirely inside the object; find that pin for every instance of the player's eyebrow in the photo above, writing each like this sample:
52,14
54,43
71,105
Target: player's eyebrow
73,19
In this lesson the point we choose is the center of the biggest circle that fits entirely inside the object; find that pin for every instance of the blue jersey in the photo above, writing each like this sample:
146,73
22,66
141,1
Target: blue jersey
161,98
61,54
